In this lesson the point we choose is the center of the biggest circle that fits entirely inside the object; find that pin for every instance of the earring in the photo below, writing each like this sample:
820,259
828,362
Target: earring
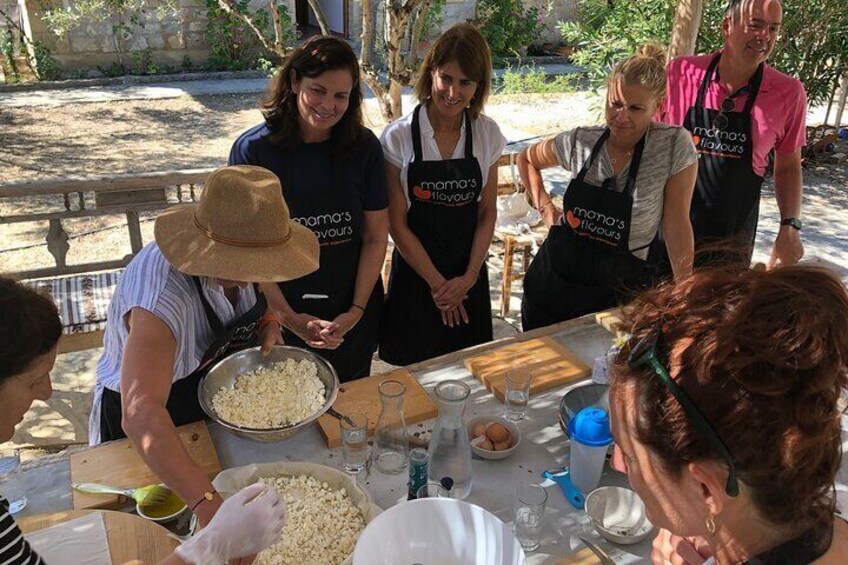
710,523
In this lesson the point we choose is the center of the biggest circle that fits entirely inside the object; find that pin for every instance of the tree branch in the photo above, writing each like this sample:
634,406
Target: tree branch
319,15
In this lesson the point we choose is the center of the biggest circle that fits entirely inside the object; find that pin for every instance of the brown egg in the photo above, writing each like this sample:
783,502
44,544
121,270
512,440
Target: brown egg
497,433
479,430
502,446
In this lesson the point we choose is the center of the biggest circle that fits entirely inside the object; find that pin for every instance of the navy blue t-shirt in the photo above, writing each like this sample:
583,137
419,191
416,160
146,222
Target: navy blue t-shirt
362,170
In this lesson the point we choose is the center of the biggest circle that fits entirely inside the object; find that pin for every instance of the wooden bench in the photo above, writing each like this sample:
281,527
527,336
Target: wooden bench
82,291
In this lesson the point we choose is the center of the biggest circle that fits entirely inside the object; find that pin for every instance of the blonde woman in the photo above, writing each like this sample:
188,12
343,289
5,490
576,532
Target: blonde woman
631,178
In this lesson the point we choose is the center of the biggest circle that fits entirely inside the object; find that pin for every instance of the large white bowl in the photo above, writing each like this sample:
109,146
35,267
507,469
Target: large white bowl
619,515
437,530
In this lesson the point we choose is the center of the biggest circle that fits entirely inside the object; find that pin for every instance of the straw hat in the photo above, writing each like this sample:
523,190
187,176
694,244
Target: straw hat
240,230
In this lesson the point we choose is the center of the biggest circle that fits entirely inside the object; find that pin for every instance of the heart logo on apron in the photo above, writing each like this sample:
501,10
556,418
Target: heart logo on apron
572,220
422,194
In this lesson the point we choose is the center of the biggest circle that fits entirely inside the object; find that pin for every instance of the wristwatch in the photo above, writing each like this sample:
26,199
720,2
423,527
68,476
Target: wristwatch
794,222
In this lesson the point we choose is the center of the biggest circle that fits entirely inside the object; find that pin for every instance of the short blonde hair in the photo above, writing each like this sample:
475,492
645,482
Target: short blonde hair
645,68
464,44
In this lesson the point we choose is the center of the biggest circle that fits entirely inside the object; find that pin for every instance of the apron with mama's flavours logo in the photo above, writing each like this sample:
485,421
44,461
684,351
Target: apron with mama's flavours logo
443,216
586,264
726,203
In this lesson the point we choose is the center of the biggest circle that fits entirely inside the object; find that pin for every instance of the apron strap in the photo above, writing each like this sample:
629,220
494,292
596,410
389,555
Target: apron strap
211,316
595,150
708,77
630,187
416,135
469,143
754,86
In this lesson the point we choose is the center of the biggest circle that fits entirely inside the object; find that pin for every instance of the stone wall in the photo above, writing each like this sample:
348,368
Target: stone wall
167,41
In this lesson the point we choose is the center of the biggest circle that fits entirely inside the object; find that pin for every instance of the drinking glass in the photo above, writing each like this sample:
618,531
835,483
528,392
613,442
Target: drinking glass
530,500
517,394
11,487
354,432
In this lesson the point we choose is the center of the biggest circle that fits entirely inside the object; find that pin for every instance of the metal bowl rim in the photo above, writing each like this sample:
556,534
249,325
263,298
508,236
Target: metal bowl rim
288,427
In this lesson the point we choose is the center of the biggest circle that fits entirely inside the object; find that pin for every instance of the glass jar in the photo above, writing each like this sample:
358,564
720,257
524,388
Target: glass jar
450,449
392,441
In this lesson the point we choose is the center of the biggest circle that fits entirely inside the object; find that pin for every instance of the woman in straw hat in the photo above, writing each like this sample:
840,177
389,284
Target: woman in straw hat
29,336
331,169
185,302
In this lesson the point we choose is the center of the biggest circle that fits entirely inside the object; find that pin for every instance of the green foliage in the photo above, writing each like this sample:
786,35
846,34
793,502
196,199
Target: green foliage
508,26
434,18
233,46
530,80
7,46
46,67
605,34
813,45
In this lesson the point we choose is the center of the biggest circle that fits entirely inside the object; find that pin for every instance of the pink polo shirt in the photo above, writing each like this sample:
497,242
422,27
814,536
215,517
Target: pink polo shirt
778,116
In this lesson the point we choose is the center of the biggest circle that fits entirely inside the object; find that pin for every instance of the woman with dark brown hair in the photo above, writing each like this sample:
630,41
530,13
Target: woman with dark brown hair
441,164
726,414
331,170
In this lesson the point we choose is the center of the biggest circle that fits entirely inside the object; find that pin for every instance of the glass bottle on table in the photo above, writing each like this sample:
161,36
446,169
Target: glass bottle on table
450,448
392,440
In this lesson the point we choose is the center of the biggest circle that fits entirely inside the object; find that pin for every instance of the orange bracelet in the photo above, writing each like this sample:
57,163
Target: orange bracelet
267,319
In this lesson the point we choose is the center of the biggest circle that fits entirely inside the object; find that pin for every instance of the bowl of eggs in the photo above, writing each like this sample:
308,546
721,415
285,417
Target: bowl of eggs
492,437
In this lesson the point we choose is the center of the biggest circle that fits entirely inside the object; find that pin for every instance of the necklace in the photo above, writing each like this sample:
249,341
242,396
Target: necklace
616,160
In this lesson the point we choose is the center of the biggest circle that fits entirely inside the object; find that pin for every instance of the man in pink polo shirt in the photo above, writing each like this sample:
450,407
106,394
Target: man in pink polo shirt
738,109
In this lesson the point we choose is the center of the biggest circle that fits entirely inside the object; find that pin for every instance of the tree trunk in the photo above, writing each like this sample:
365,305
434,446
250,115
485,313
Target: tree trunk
415,36
687,22
319,15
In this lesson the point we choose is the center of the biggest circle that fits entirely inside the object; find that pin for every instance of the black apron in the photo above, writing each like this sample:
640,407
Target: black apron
585,264
443,198
726,203
183,405
335,214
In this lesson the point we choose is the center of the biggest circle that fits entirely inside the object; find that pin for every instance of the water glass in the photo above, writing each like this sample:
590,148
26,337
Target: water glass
530,500
12,488
432,490
354,432
517,394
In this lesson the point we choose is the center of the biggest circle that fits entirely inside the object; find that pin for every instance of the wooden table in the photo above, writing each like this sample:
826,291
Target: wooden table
132,540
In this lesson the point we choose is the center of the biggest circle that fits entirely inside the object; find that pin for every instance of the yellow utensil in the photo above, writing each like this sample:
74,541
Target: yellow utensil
144,496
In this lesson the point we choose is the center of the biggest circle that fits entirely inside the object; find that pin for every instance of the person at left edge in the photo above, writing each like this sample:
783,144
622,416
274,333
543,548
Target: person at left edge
441,164
185,302
331,170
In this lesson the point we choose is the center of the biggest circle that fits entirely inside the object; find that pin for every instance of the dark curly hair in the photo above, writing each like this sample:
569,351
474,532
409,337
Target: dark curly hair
764,355
316,56
29,327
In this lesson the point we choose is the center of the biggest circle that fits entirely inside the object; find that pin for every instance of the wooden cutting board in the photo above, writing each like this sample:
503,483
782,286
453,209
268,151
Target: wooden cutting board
117,463
362,396
552,365
132,540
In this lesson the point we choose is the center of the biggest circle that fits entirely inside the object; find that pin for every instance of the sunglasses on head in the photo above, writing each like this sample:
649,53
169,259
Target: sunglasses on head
644,352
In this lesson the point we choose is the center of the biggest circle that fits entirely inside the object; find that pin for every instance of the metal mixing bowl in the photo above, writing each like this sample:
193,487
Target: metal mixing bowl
224,374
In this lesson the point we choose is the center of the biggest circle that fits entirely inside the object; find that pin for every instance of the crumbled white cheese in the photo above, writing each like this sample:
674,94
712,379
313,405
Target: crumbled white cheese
269,397
322,524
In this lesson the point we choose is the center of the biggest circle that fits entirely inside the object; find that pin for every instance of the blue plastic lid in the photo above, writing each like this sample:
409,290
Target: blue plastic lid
590,426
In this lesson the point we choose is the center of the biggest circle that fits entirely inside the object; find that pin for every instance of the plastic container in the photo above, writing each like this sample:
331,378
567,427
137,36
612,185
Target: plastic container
589,430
